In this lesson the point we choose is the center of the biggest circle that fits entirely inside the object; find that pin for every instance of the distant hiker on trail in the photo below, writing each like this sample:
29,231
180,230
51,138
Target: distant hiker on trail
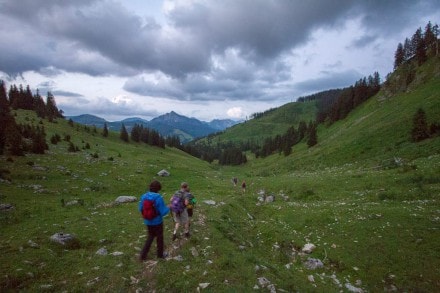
235,181
153,208
178,207
243,186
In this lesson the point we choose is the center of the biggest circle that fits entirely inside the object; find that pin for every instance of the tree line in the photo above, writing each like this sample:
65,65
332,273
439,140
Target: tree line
18,139
419,47
333,105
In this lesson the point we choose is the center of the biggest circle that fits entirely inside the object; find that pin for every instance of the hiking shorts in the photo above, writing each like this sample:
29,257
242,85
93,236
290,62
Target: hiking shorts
181,218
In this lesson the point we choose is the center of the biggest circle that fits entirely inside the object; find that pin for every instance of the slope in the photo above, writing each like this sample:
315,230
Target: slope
272,122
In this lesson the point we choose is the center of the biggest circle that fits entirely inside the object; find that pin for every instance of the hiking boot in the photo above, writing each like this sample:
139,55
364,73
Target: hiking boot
174,237
187,235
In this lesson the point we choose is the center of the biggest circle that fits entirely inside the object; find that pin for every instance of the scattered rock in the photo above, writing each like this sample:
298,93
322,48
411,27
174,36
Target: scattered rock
263,282
204,285
313,263
62,238
352,288
178,258
311,278
308,248
74,202
125,199
6,207
270,198
163,173
209,202
272,288
39,168
33,244
93,281
117,253
194,252
102,251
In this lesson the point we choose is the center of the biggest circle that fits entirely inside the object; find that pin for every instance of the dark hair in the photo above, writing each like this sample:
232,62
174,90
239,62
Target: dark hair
155,186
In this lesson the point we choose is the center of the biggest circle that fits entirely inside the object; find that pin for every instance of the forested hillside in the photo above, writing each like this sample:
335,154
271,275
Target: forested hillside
308,120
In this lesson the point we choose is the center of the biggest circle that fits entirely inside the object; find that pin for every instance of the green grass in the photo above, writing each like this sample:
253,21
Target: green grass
274,123
365,196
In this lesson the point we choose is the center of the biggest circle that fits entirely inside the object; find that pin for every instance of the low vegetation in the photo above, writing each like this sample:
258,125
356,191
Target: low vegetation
366,196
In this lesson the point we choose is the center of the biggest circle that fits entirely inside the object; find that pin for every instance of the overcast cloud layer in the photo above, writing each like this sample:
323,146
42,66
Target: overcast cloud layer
207,59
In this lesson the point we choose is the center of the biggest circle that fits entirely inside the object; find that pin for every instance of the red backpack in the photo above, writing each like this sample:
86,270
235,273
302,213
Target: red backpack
149,211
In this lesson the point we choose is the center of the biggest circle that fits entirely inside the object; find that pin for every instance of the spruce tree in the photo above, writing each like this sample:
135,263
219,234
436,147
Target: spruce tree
124,134
313,138
105,130
420,126
10,136
399,56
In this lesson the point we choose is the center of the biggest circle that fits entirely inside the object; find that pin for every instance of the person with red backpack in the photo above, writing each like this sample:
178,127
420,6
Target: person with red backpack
153,209
178,204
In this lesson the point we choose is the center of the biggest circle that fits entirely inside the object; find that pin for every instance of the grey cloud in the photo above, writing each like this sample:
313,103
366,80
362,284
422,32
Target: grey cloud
122,43
66,94
363,41
329,80
249,39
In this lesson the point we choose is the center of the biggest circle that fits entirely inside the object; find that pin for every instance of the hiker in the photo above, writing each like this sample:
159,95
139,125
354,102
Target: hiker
178,208
243,186
155,225
235,181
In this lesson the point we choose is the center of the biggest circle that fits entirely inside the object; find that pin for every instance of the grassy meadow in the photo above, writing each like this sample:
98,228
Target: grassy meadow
365,196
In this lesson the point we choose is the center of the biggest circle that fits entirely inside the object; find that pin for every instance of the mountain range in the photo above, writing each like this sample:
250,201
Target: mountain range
168,124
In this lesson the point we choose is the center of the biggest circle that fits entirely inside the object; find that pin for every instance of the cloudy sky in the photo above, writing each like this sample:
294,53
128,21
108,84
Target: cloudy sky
206,59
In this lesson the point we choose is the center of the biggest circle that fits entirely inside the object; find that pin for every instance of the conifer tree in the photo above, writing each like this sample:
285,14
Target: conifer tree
39,106
313,138
5,116
136,133
420,126
105,130
399,56
124,134
10,137
429,35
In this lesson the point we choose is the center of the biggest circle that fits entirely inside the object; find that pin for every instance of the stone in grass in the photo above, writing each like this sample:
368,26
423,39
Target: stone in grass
125,199
68,241
163,173
209,202
6,207
313,264
308,248
203,285
62,238
102,251
33,244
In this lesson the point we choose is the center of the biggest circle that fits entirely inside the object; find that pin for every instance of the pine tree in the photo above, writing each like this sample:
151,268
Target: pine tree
124,133
430,38
39,106
313,138
420,126
105,130
408,49
399,56
5,116
10,136
136,133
